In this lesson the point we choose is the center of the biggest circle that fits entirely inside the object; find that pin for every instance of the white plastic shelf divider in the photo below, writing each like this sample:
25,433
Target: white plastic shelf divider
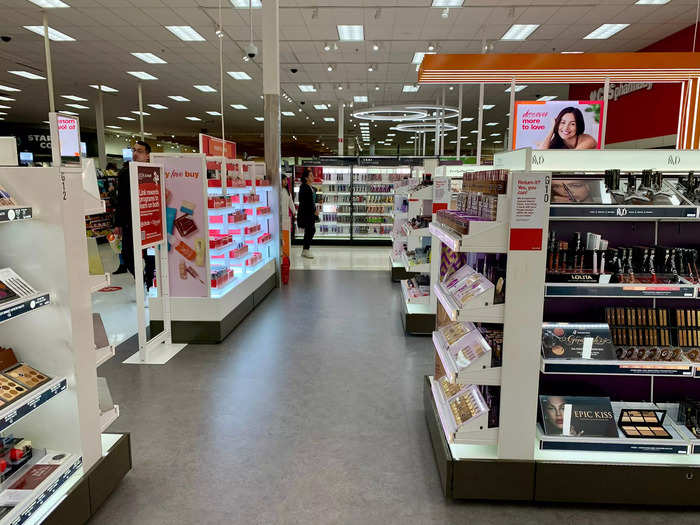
15,213
103,350
484,237
478,373
23,406
23,305
617,368
108,417
99,281
485,314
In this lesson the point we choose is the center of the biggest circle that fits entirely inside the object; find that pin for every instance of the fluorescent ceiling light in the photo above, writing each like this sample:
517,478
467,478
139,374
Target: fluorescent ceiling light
354,33
74,97
186,33
77,106
27,74
288,113
49,4
246,4
519,31
572,52
54,35
498,142
259,119
239,106
69,112
157,106
329,119
518,88
8,88
7,99
205,88
178,98
114,127
447,3
605,31
139,113
307,88
638,2
104,89
320,106
489,106
492,123
474,131
408,88
546,98
142,75
126,118
495,134
419,55
5,107
360,98
214,113
193,118
150,58
467,119
239,75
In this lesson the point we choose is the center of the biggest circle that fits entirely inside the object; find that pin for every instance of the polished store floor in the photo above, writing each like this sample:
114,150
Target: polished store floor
310,412
342,258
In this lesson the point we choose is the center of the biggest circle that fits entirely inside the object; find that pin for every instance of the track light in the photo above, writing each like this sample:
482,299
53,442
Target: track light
246,58
431,46
326,46
445,12
340,87
370,68
375,47
376,88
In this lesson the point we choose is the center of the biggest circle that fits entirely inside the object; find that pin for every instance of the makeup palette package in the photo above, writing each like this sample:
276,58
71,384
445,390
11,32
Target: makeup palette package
467,344
577,416
643,424
577,341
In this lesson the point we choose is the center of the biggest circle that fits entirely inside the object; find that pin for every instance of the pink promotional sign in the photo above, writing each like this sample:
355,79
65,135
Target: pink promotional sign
186,222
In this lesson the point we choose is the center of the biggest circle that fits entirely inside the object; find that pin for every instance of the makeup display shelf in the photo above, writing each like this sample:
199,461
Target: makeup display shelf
54,333
239,258
535,462
398,232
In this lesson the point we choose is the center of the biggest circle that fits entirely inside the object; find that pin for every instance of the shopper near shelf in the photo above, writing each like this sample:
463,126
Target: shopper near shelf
286,213
568,132
122,217
306,216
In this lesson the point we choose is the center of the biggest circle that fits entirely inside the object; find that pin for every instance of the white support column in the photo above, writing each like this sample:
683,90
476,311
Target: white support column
511,116
442,124
459,123
606,96
141,110
480,124
436,149
100,125
341,128
49,69
425,138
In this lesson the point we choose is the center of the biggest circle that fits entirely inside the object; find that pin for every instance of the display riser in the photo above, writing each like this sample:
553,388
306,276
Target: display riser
399,273
89,493
417,324
212,332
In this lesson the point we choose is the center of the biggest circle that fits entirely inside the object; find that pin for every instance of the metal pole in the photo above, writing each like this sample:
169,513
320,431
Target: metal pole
481,124
424,140
606,93
141,111
510,118
341,126
442,124
49,69
436,150
100,125
459,123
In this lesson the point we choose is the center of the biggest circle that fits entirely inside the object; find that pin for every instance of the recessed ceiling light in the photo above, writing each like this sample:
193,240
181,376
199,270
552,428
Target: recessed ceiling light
330,67
409,88
193,118
139,113
214,113
329,119
495,134
259,119
605,31
74,97
238,106
340,87
114,127
419,55
157,106
447,3
474,131
307,88
492,123
150,58
5,107
69,112
375,47
498,142
7,99
239,75
467,119
77,106
519,31
518,88
178,98
142,75
104,89
572,52
360,98
8,88
205,88
391,134
320,106
288,113
351,33
246,4
546,98
49,4
489,106
326,47
27,74
186,33
54,35
126,118
641,2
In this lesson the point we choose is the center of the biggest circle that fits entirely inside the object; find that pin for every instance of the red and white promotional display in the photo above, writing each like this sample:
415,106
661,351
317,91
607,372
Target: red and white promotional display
65,133
561,124
149,224
528,210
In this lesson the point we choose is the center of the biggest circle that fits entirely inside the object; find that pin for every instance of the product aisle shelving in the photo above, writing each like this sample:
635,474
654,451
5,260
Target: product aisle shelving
527,449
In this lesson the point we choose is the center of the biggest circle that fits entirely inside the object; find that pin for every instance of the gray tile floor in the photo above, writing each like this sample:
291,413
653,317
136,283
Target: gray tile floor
309,412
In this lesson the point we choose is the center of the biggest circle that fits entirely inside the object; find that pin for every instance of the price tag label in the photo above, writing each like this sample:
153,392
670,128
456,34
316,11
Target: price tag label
587,347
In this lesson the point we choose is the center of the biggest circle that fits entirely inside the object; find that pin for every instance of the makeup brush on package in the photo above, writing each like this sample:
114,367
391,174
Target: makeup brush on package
603,250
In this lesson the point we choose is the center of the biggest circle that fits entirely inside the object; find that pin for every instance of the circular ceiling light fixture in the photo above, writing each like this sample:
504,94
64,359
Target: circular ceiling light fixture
423,127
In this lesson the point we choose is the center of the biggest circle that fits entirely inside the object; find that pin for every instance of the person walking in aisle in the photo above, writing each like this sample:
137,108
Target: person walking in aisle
306,215
287,212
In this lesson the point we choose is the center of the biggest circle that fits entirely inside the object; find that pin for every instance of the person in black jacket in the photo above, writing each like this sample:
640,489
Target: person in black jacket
306,215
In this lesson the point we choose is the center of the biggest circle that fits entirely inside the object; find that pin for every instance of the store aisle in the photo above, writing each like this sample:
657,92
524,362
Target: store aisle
342,258
309,412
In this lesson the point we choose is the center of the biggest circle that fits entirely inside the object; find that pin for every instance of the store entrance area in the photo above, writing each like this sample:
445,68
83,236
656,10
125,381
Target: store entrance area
309,412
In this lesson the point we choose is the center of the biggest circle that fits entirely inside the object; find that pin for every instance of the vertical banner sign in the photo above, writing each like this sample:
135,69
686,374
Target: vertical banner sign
150,205
441,193
69,136
186,224
528,210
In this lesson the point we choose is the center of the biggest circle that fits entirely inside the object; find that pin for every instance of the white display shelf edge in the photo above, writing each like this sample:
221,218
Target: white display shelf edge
485,314
467,376
486,237
108,417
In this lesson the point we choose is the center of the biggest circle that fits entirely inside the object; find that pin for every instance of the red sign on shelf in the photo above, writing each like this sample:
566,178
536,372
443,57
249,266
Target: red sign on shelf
150,205
530,197
211,146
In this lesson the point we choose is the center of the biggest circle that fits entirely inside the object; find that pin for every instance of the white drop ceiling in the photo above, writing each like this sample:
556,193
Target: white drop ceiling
107,32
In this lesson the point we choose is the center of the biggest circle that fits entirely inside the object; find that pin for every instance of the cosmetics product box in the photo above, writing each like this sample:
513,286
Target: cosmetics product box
578,416
643,424
577,341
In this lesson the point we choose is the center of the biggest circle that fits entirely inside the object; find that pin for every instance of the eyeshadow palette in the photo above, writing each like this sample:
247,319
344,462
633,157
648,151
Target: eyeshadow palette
449,389
649,354
643,424
465,406
453,332
10,391
26,375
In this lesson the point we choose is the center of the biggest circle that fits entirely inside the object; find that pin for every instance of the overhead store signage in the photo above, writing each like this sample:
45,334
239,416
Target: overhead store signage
212,147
